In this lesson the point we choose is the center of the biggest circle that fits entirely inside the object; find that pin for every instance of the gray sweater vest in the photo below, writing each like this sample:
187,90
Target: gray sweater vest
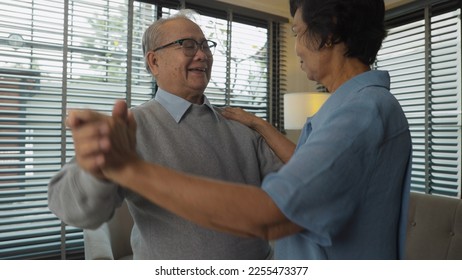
206,144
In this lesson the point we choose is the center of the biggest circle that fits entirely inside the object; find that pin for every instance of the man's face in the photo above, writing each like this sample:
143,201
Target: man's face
177,73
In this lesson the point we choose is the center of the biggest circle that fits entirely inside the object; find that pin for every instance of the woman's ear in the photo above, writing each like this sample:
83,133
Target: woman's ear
151,60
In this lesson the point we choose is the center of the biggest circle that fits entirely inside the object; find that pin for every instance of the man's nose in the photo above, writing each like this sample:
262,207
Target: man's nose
200,52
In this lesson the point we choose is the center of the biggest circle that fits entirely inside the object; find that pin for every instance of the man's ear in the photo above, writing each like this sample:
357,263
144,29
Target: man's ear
151,59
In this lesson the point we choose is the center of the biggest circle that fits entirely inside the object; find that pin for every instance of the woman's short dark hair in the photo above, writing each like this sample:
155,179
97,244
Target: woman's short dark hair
357,23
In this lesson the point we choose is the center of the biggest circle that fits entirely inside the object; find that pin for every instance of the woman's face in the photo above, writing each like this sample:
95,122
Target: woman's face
312,60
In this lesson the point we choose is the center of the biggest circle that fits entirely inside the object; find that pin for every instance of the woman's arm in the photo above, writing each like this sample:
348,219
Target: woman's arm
234,208
282,147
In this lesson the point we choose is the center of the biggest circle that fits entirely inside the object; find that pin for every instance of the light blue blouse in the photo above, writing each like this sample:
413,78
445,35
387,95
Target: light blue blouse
348,181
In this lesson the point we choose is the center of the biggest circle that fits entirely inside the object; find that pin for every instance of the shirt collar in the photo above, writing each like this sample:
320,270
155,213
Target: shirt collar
368,78
376,78
177,106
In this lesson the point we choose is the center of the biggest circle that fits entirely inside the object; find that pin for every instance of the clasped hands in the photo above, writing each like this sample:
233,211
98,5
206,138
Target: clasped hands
103,144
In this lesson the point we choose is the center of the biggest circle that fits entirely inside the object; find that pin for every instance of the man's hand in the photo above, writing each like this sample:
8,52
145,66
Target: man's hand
103,141
118,140
86,127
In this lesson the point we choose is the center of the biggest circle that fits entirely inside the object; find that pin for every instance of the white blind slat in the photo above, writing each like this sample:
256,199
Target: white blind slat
436,154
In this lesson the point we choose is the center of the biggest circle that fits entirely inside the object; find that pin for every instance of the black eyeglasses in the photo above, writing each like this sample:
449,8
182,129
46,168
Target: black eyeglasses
190,46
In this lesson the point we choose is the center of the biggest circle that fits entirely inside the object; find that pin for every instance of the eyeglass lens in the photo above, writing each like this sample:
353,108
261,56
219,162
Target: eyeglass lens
190,47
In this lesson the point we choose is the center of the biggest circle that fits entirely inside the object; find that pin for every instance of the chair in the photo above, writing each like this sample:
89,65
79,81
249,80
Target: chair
434,230
111,241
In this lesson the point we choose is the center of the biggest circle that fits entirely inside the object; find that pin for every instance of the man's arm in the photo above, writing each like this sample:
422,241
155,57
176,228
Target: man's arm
80,199
79,194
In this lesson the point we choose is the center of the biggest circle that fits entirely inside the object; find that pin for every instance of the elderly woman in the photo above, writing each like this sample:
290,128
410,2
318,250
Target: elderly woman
342,192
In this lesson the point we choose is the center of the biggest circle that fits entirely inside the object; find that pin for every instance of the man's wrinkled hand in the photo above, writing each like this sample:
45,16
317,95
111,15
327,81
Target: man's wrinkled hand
103,142
86,126
118,141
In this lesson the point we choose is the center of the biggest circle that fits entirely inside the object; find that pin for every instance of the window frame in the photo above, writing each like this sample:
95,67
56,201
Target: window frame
425,171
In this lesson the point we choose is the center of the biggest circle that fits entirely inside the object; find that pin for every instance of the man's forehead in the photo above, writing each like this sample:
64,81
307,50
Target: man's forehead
182,24
183,28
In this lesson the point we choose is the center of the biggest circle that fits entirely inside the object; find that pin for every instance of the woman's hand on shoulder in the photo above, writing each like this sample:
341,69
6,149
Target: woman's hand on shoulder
242,116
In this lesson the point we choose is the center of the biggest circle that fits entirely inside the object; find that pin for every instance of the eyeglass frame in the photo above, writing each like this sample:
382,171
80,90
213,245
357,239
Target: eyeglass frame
197,44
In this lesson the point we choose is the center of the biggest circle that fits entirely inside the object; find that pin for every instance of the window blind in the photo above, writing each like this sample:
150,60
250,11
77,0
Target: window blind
278,49
423,57
30,78
249,68
56,55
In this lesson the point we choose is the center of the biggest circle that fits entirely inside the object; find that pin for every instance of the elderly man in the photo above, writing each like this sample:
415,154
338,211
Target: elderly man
179,129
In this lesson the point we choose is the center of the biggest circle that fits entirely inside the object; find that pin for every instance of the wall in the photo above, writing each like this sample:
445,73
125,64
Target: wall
275,7
281,7
389,4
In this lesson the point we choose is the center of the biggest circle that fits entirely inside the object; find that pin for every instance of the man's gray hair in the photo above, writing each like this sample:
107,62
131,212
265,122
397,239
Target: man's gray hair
153,35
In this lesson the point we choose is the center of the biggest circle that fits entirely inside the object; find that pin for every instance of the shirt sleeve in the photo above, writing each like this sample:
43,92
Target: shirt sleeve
320,187
81,200
269,162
